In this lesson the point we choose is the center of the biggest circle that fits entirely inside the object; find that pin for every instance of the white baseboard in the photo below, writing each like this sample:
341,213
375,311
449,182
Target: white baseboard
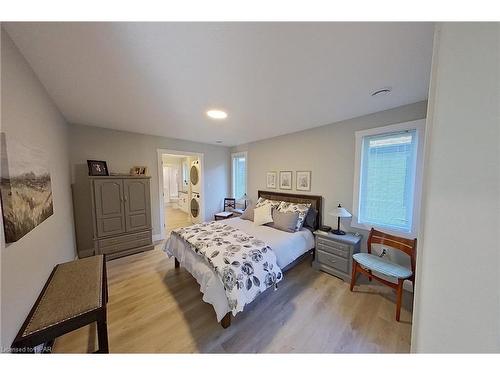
158,237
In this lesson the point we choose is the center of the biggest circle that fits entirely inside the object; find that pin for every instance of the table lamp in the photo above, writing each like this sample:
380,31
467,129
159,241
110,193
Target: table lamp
244,198
339,212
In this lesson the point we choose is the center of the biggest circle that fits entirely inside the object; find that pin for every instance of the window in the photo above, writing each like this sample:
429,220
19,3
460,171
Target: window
239,174
388,177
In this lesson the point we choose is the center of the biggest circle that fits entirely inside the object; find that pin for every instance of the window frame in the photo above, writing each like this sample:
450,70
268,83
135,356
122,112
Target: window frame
233,156
419,126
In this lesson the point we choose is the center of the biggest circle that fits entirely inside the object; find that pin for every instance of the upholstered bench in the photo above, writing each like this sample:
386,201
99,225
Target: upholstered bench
74,296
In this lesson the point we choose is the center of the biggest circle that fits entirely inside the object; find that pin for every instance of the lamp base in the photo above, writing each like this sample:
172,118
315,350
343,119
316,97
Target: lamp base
338,232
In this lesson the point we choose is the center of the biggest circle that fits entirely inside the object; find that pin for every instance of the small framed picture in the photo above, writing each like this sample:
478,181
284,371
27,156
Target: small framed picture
271,180
286,180
97,168
138,171
303,181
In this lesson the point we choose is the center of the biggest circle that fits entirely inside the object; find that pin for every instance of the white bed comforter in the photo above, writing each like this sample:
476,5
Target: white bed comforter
286,246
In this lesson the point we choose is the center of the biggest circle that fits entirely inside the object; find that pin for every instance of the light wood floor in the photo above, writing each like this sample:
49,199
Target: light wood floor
155,308
175,218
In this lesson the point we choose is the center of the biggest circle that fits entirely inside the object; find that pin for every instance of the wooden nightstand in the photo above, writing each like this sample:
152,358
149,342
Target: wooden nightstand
334,253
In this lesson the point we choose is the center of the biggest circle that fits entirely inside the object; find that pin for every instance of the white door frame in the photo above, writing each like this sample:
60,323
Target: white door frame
200,156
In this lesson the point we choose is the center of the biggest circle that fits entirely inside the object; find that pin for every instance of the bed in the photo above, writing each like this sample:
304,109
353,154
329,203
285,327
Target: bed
288,249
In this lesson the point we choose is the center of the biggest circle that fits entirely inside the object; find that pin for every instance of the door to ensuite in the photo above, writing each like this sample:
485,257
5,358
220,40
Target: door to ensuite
171,186
181,185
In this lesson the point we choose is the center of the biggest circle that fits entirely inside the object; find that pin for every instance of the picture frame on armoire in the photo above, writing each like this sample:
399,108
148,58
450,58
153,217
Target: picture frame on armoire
97,168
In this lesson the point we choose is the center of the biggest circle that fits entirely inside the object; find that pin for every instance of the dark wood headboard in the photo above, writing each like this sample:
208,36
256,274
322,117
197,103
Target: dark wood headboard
315,200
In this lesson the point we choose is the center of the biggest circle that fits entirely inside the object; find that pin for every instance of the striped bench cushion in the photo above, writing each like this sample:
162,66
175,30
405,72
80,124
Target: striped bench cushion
378,264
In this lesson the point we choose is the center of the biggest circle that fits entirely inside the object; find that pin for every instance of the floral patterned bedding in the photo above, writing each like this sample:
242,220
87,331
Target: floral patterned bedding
246,266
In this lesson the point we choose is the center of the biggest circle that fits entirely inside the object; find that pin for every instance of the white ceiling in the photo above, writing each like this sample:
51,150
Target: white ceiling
272,78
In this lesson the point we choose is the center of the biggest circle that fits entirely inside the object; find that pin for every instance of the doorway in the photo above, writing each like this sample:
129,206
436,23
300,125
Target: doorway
181,189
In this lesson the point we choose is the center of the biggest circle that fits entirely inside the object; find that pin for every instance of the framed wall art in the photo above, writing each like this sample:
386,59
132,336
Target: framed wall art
286,180
271,178
26,189
303,181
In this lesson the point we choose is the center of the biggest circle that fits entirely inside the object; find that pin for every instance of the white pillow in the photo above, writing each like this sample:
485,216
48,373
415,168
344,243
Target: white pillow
263,201
263,215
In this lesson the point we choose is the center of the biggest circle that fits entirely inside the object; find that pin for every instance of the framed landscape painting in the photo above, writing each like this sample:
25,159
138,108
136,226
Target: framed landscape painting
271,180
25,188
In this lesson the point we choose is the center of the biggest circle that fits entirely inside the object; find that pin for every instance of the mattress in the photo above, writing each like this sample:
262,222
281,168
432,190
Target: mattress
286,246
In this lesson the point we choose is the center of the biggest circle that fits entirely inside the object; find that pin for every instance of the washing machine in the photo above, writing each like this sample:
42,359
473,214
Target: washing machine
195,208
195,177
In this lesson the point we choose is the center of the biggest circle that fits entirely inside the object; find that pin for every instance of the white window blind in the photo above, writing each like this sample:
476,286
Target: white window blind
239,175
387,179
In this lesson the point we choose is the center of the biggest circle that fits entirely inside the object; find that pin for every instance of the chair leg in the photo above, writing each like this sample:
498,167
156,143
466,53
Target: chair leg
102,334
177,264
369,277
399,298
353,276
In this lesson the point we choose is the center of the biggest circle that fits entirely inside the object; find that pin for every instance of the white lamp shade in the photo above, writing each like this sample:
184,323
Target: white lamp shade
340,212
242,199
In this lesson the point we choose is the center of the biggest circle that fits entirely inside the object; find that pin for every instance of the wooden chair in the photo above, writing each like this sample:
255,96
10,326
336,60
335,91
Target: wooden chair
229,207
368,263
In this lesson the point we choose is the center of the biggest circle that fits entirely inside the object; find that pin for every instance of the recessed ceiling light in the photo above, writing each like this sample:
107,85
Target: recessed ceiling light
216,114
382,91
218,141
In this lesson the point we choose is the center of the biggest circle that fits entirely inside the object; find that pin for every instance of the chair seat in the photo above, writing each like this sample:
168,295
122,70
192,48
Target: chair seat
378,264
224,214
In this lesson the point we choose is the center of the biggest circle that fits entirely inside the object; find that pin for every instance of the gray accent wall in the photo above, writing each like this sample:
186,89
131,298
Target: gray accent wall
28,114
122,150
328,152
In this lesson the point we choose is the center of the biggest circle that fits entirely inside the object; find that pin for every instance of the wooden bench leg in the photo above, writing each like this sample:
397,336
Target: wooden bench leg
226,321
177,264
102,334
353,276
399,298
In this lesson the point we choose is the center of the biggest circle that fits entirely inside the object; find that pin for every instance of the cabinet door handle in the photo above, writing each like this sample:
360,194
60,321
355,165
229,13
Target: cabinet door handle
125,198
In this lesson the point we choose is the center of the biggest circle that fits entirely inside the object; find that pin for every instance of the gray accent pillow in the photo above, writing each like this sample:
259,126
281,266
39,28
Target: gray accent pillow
285,221
248,213
300,208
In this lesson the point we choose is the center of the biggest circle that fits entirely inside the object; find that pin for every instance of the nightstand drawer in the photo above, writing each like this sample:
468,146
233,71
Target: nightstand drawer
331,243
333,250
333,261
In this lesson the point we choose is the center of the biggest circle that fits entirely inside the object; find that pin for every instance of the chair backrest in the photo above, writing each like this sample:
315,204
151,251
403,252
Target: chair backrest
229,203
406,245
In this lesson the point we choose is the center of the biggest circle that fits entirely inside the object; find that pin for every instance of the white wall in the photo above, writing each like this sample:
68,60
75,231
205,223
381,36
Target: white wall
29,114
457,301
328,152
122,150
